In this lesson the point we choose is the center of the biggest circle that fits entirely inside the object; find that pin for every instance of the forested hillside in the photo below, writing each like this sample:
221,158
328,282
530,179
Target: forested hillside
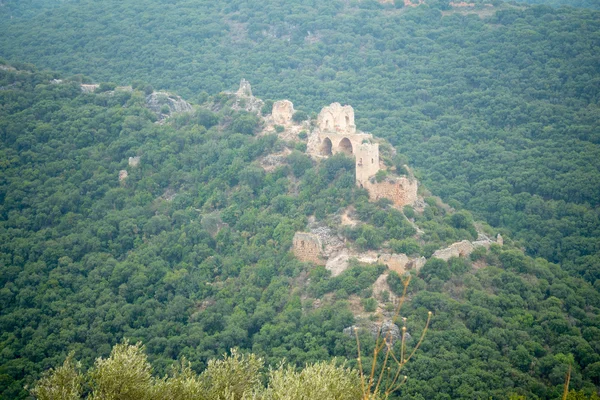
190,254
497,107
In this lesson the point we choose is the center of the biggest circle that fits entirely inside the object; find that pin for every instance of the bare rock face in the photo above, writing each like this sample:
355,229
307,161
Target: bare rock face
159,102
338,263
332,243
283,111
245,100
458,249
123,175
245,90
89,88
500,240
387,330
134,161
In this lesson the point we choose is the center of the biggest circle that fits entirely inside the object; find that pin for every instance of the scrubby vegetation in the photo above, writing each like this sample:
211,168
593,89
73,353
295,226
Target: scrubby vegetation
495,108
190,255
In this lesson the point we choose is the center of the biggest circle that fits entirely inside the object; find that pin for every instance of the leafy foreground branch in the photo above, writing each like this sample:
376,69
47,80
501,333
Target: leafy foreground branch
127,375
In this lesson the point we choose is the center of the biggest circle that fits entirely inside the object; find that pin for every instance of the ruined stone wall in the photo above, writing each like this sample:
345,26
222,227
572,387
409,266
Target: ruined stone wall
245,100
400,263
283,111
245,90
336,133
465,248
336,118
458,249
329,143
307,247
401,191
367,162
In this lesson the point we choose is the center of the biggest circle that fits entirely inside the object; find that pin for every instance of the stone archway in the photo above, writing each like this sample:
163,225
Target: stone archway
345,146
326,147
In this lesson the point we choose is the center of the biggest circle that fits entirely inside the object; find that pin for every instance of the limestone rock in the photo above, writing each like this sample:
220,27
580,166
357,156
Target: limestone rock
351,330
157,100
123,175
245,90
245,100
338,264
134,161
500,240
332,244
85,88
386,330
283,111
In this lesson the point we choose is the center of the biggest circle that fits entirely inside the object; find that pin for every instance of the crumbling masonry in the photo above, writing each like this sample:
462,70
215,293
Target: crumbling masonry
336,133
308,248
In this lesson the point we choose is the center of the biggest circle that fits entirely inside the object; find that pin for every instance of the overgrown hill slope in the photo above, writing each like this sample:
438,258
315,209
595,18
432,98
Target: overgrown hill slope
190,253
496,107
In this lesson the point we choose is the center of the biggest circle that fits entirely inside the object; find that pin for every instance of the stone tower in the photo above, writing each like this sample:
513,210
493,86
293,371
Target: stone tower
367,162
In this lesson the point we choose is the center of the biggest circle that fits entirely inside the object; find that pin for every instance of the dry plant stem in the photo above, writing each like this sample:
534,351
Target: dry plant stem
567,381
379,347
360,368
371,386
391,387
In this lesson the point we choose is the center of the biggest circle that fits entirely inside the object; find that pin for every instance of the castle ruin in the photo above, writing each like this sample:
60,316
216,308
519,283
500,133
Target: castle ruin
307,247
282,113
336,133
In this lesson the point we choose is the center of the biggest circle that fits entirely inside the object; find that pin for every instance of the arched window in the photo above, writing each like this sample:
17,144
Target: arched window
326,147
345,146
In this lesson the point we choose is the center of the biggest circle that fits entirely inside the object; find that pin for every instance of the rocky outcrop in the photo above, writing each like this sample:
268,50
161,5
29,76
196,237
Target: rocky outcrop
401,263
465,248
338,263
85,88
386,330
123,175
157,101
245,100
134,161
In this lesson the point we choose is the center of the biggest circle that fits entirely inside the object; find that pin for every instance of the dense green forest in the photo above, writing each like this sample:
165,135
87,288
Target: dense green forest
190,254
497,108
